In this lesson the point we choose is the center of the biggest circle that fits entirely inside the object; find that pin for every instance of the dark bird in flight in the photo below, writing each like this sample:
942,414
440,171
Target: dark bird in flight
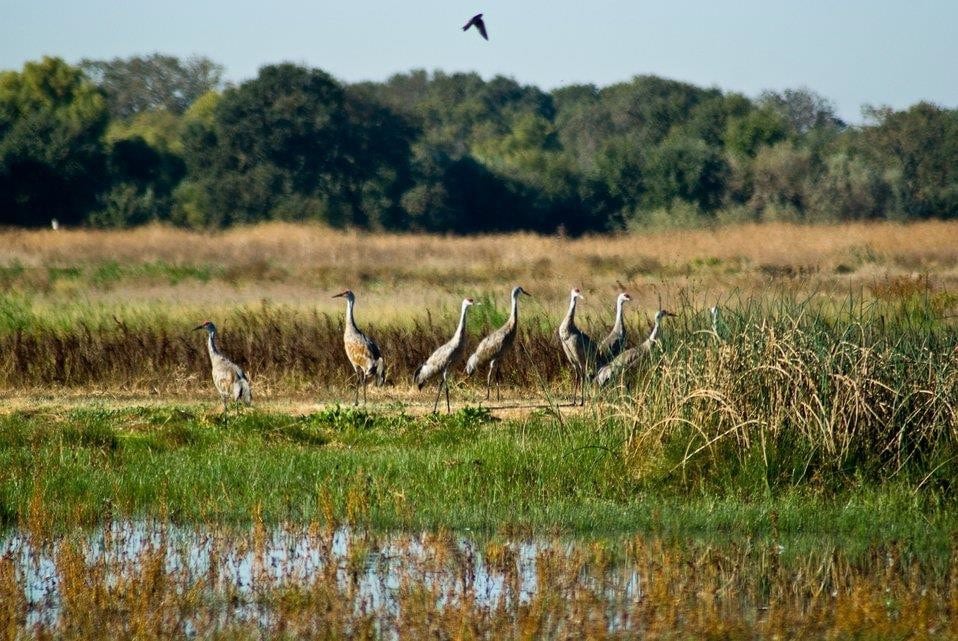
480,25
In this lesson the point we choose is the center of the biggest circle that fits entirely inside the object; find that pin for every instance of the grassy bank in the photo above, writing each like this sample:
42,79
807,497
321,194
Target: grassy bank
391,470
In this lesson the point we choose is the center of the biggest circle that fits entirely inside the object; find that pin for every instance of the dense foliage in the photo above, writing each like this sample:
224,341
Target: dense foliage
122,142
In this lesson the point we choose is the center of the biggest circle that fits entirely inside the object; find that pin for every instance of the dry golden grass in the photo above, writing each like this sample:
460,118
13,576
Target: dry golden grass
112,310
398,275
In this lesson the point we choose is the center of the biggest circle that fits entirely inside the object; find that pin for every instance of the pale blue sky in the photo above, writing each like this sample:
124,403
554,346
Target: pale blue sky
851,51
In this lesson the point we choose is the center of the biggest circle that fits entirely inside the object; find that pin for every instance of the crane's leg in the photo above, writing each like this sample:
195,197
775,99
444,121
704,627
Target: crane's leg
575,387
365,383
498,381
358,374
582,386
435,406
492,366
445,384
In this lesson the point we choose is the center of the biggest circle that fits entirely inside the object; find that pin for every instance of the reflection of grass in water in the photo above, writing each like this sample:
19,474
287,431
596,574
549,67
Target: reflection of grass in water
153,580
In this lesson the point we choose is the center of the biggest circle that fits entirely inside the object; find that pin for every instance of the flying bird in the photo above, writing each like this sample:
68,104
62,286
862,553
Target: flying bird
480,25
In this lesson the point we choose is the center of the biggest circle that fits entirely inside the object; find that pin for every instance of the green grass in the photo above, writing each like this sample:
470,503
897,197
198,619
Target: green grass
389,470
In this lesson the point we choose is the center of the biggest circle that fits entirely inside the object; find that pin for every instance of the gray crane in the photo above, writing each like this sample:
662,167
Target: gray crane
494,346
362,351
578,347
444,358
229,378
615,341
631,357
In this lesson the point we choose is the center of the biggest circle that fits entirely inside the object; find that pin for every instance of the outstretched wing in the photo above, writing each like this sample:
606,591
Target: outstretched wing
481,26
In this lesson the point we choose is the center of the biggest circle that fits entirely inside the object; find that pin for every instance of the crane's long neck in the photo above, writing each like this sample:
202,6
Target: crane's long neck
617,326
211,344
514,312
461,330
350,321
655,331
569,319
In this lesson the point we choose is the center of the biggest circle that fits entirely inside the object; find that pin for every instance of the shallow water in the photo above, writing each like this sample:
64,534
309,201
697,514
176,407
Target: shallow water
132,577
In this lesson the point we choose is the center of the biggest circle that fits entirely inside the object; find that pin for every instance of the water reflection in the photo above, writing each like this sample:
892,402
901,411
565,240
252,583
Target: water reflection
136,576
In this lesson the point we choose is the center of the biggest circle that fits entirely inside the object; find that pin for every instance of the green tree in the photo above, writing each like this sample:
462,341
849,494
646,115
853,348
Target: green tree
708,120
155,82
294,144
685,169
917,148
52,157
745,134
582,126
850,188
802,109
648,107
782,177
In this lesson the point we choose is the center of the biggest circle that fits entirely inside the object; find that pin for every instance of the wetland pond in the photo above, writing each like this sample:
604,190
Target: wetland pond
154,579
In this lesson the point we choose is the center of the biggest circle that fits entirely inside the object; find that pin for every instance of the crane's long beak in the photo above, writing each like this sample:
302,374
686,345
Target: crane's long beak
199,327
339,295
527,293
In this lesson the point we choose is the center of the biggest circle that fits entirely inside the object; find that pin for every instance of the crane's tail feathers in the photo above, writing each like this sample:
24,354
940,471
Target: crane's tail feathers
242,392
424,373
472,364
603,376
379,371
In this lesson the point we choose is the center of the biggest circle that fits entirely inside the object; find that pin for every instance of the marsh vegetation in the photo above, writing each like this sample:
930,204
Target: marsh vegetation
792,476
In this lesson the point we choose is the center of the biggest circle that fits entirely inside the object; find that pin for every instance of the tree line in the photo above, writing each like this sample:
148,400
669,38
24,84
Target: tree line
122,142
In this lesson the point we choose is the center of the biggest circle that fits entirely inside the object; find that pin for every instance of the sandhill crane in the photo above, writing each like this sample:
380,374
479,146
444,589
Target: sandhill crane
630,357
578,347
362,351
615,341
494,346
229,378
444,357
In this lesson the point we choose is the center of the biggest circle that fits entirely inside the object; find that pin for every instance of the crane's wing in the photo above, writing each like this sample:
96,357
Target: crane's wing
481,26
489,348
472,21
373,348
433,365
